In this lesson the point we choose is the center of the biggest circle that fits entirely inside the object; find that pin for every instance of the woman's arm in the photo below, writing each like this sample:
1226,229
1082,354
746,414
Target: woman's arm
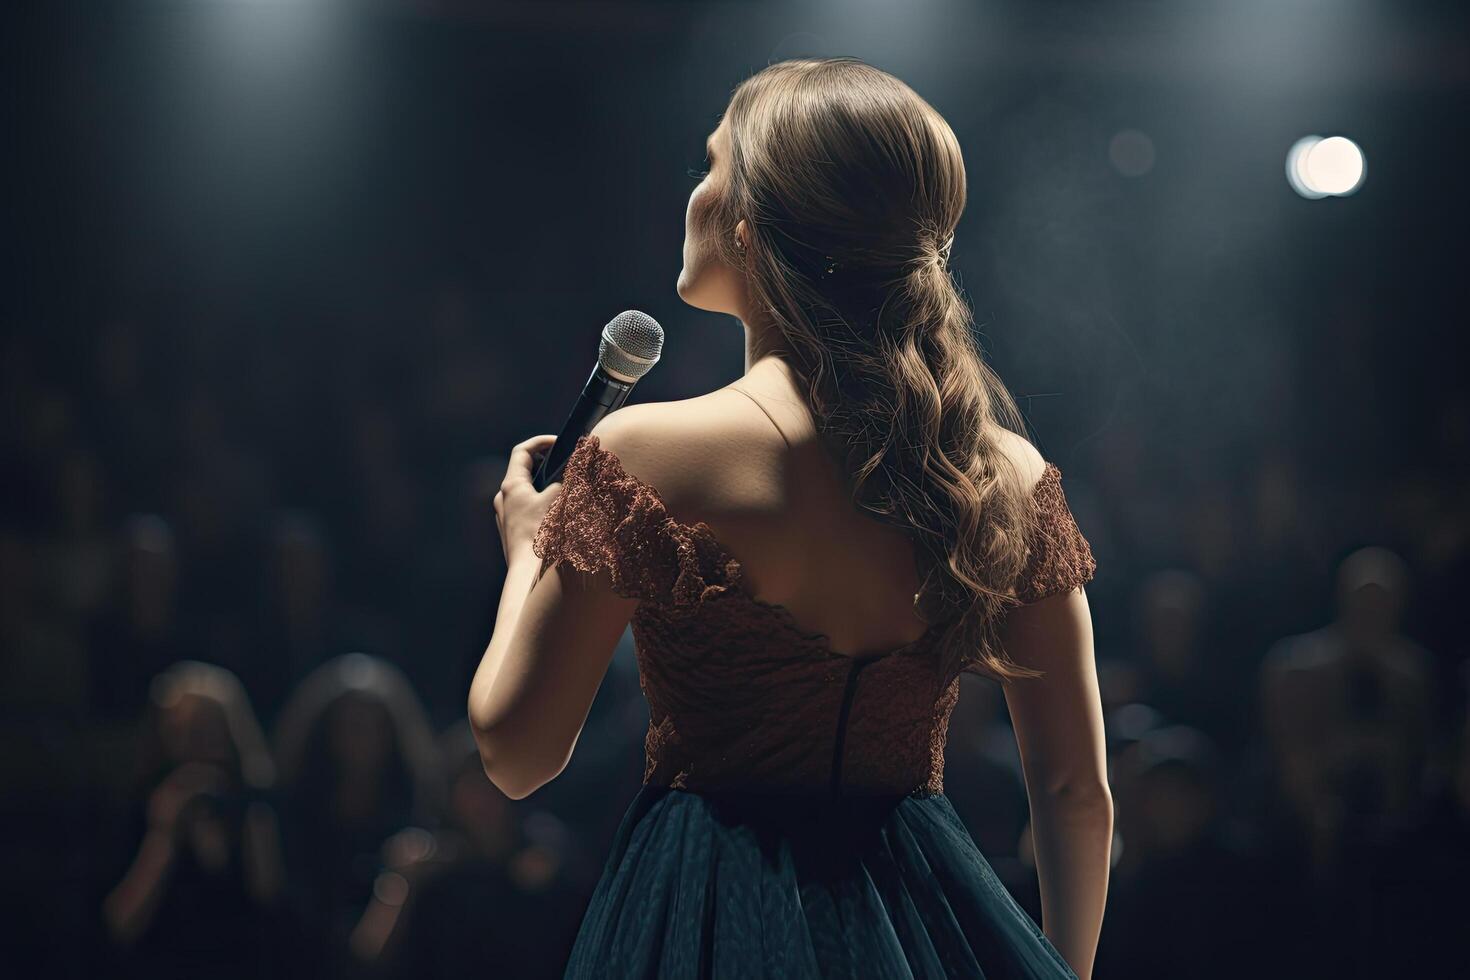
519,508
129,907
1059,730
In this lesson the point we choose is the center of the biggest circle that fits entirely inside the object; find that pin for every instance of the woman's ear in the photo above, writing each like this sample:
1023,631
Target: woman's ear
742,236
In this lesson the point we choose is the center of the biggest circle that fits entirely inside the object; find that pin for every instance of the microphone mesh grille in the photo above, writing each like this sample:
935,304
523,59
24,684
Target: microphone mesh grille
631,344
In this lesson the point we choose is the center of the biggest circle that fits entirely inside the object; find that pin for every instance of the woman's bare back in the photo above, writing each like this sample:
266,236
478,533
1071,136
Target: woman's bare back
749,464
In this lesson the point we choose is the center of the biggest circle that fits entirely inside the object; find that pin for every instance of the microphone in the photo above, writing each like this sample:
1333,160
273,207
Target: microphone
630,347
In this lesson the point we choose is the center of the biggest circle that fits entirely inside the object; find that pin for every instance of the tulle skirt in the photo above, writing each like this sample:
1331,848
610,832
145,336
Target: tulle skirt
747,885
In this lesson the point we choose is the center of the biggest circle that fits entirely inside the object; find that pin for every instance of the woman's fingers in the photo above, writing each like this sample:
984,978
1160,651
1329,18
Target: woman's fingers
522,460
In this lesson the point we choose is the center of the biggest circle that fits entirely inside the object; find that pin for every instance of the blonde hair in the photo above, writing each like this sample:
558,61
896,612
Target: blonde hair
221,686
852,185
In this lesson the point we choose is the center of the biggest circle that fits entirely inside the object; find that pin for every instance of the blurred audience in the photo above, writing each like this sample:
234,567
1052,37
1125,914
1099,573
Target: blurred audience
193,527
428,914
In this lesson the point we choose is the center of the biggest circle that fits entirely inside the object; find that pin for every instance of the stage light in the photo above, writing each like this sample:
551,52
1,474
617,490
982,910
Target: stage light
1330,167
1335,165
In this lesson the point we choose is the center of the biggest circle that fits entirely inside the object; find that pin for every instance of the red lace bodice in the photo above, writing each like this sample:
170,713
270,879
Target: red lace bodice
740,697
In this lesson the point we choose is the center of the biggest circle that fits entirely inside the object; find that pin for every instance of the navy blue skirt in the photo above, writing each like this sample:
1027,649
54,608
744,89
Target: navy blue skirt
745,885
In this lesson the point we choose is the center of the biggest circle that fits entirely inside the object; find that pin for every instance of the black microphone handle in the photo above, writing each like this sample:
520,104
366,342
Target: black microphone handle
602,394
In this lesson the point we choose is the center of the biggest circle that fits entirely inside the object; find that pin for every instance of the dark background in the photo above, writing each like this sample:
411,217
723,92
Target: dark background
286,280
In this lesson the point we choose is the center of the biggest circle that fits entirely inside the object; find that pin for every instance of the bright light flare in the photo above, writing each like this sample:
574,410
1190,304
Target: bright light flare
1330,167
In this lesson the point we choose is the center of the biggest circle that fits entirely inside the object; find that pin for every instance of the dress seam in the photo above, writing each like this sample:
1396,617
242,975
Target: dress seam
858,663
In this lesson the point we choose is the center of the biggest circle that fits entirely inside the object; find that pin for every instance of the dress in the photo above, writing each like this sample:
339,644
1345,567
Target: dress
792,821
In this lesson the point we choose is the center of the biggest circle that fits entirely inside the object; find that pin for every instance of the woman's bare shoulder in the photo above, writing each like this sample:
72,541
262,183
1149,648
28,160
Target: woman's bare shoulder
682,448
1025,458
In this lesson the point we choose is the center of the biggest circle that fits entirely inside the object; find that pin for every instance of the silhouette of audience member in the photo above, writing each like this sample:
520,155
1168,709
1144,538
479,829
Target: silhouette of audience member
1181,677
358,763
487,890
77,557
139,635
201,895
1347,713
1178,878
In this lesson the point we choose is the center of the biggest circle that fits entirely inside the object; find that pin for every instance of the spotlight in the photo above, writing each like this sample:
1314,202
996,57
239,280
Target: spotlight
1330,167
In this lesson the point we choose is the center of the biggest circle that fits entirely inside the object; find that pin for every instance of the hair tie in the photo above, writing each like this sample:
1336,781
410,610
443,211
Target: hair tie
941,254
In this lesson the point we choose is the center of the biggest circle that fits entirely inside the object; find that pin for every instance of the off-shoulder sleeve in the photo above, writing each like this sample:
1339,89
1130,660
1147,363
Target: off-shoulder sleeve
1060,558
603,519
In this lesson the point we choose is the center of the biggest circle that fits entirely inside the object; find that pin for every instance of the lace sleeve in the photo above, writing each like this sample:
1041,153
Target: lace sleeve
604,519
1060,558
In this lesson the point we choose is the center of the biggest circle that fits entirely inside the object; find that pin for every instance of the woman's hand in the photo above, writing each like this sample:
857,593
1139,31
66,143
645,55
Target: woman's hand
519,506
181,787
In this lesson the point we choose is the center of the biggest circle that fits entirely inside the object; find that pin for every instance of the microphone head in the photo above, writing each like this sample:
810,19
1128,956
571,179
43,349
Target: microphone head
630,345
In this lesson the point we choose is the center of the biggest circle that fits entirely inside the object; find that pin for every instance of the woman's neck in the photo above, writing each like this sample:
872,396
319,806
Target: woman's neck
762,340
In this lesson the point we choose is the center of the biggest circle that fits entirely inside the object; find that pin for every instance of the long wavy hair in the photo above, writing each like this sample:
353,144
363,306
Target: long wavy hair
412,776
851,185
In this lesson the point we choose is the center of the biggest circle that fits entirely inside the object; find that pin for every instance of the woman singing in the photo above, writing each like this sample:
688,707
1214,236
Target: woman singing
810,557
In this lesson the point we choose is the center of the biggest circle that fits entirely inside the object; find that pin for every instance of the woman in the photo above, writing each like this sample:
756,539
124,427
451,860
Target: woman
358,763
200,895
891,532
